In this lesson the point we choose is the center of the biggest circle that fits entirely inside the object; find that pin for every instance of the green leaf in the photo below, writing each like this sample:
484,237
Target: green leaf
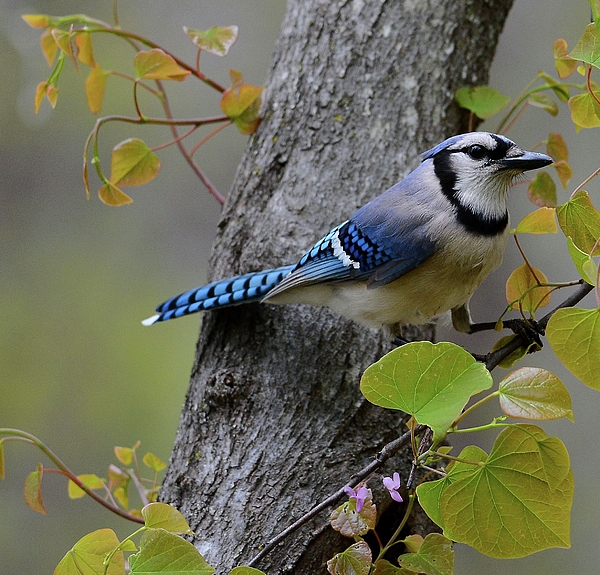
483,101
133,163
431,382
516,502
156,64
564,172
216,40
86,557
584,263
542,221
356,560
95,87
544,102
523,289
580,220
435,557
349,522
574,335
89,480
534,393
565,66
164,552
542,190
243,570
113,196
32,490
585,110
588,48
163,516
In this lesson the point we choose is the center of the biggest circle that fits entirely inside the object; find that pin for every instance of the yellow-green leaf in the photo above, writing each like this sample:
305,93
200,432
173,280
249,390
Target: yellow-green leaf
560,90
133,163
542,190
49,47
580,220
564,172
63,41
522,291
544,102
383,567
243,570
32,491
2,459
154,462
85,51
124,454
585,110
574,335
87,556
534,393
356,560
434,557
515,502
37,20
483,101
216,40
90,480
163,516
112,196
241,103
565,66
164,552
588,48
156,64
557,147
516,355
95,86
542,221
584,263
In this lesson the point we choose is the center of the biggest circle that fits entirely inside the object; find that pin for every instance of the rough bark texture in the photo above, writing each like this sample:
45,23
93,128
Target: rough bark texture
274,420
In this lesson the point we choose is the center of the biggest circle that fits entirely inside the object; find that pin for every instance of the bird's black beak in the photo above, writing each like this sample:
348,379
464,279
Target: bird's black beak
526,161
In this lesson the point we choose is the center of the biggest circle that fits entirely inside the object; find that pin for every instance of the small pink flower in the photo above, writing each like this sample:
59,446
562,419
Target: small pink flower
360,495
392,485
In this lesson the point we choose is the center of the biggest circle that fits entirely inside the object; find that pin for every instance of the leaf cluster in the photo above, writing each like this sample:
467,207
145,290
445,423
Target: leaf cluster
133,162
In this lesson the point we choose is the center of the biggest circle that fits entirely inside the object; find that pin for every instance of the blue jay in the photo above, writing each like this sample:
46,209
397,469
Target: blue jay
413,253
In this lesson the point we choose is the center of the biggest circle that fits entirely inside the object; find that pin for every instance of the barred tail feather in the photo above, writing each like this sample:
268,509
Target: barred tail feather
223,293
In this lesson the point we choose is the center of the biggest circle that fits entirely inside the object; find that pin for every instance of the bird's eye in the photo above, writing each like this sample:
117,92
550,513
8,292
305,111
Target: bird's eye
477,152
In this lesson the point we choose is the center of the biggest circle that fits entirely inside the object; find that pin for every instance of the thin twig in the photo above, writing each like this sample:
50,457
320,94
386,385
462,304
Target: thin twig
388,451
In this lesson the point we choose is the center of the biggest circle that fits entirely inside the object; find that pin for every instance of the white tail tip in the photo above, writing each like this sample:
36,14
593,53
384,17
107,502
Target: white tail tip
151,320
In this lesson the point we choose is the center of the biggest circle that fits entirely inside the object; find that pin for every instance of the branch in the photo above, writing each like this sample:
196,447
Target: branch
388,451
493,358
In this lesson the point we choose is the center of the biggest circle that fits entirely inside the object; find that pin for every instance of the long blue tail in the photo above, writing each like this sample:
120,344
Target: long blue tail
222,293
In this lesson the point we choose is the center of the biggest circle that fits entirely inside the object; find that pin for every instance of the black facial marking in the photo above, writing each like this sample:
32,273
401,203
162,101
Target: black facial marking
473,222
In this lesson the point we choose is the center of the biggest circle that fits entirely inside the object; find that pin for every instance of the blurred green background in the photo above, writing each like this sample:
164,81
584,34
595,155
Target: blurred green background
78,370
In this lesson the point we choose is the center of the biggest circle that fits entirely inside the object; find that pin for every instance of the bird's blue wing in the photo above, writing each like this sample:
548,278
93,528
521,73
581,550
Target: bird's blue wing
351,253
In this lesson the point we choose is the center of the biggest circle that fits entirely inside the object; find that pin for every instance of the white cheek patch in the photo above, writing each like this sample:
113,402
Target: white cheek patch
340,254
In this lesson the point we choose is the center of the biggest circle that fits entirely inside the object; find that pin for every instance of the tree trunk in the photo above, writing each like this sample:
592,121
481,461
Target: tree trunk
274,420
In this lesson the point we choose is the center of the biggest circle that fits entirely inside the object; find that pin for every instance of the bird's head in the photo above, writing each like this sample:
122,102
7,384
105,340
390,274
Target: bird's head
475,171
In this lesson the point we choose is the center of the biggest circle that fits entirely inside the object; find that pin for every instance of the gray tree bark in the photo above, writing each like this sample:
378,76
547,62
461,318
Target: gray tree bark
274,420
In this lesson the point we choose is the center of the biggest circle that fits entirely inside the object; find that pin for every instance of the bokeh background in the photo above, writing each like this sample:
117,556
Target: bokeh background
78,370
